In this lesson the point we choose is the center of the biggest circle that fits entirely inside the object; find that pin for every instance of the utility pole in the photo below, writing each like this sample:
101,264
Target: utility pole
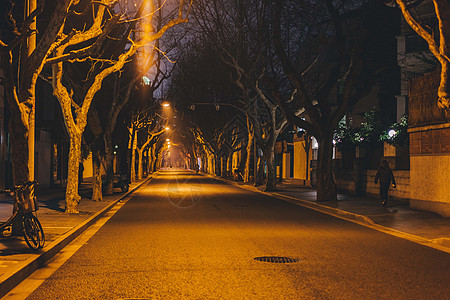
255,161
31,45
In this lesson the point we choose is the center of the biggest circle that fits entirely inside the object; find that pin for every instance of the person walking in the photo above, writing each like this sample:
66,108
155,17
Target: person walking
385,176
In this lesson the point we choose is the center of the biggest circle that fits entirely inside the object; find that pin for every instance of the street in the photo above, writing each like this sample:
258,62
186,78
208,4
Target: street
187,236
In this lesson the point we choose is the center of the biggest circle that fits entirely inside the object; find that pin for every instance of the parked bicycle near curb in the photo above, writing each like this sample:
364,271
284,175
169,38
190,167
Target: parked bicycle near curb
120,181
24,221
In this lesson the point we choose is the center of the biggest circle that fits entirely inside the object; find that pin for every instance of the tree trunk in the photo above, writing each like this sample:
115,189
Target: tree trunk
248,159
217,165
223,171
154,158
140,163
19,151
72,196
96,175
307,147
158,162
230,163
151,158
261,172
269,155
271,180
109,161
133,157
326,187
19,120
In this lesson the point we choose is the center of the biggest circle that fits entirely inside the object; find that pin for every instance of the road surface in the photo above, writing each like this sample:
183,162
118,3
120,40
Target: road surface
186,236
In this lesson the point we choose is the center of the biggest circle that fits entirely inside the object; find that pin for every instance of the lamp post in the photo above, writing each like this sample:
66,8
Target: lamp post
31,45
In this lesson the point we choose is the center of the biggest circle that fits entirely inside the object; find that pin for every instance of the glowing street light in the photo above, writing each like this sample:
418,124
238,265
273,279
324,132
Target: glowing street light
166,104
167,128
167,140
392,133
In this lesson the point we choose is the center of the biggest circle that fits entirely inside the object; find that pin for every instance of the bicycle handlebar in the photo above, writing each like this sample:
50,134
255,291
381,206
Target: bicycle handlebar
23,186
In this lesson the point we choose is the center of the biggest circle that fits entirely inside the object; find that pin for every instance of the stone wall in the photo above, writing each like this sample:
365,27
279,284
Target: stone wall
363,182
430,168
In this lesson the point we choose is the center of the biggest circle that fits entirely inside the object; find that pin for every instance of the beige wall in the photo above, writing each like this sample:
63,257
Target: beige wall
430,188
87,164
236,159
430,168
286,165
300,162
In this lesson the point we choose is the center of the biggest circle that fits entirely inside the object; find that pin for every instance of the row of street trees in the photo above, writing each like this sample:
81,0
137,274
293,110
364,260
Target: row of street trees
270,63
79,44
305,63
295,62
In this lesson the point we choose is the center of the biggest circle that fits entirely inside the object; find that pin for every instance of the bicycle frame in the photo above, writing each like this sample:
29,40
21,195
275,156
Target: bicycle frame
23,221
13,226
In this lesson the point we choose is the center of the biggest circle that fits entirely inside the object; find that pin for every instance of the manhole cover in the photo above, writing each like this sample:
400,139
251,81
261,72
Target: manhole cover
277,259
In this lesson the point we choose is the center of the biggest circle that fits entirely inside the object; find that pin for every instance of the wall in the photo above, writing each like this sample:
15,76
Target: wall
286,166
87,164
301,174
430,168
347,181
43,160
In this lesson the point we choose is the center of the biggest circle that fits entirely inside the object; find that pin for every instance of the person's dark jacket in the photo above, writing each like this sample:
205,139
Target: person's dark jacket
385,175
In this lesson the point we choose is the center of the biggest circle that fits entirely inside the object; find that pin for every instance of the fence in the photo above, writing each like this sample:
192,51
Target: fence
423,108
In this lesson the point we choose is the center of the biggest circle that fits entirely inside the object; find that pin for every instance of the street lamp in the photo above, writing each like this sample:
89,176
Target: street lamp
166,104
392,133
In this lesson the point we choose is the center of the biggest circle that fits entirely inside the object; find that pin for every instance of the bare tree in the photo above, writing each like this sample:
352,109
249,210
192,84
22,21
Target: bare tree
22,70
155,128
239,30
438,42
72,47
328,69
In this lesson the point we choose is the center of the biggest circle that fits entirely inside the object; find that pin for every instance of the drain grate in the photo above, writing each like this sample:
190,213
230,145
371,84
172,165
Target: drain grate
277,259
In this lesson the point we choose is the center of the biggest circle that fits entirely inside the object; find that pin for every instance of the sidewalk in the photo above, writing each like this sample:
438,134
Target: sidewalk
17,261
398,219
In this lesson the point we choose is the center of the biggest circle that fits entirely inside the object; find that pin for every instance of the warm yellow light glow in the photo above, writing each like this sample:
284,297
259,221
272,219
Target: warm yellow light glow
166,104
167,140
167,128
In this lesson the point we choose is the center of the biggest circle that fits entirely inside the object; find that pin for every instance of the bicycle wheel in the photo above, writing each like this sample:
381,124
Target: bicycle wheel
33,232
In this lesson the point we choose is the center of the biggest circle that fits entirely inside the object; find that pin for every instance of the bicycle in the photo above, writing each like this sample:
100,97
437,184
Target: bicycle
23,221
122,183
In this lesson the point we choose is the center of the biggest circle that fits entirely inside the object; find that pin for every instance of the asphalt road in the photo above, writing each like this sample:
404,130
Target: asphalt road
184,236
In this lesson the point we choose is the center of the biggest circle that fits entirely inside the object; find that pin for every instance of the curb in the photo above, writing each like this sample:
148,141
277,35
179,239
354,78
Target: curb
11,280
360,219
442,244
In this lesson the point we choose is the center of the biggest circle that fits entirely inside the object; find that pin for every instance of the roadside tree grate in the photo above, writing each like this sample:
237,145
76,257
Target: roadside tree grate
277,259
